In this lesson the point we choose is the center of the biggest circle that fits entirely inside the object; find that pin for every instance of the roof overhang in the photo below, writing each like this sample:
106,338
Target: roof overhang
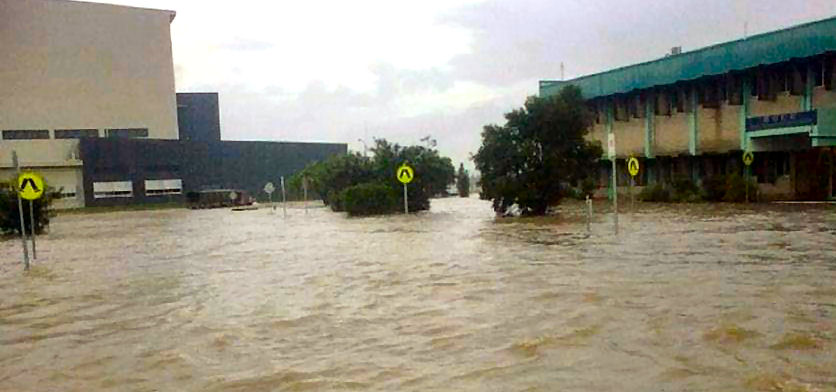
795,42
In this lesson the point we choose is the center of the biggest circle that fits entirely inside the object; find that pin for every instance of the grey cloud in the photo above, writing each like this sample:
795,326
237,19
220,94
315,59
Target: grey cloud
528,39
246,44
393,82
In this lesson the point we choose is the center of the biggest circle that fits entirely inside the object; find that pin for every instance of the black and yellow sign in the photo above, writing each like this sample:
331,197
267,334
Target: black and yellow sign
748,158
405,174
30,186
633,166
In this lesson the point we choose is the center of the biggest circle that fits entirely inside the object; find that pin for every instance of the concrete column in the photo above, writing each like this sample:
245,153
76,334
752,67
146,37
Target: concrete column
608,124
744,111
693,127
649,129
809,80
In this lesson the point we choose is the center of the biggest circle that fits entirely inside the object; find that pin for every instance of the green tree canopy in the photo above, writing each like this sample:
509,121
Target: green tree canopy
542,147
329,178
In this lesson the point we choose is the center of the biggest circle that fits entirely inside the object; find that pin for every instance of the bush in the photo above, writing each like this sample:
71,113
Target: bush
328,179
714,188
369,199
736,189
685,190
10,216
656,192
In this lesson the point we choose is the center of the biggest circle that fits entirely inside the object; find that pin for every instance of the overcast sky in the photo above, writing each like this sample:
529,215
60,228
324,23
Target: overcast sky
339,71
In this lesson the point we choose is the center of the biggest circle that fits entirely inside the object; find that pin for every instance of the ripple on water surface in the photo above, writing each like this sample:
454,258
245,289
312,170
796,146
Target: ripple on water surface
697,297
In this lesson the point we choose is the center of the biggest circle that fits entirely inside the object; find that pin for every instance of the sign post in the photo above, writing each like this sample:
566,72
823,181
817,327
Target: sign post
633,169
31,187
305,192
405,174
748,158
284,200
269,189
20,210
611,155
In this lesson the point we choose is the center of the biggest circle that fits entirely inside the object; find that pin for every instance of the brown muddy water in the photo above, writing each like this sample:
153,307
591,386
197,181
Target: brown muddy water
698,298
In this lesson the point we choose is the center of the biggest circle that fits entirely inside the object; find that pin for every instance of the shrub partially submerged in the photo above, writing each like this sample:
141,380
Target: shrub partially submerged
369,199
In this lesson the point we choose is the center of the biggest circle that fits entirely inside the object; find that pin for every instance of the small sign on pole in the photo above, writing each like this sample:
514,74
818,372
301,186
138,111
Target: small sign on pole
405,174
31,187
633,169
748,158
269,189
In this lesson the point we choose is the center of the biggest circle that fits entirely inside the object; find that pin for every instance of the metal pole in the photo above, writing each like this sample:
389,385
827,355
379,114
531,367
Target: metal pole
305,192
588,214
20,210
746,182
284,200
32,228
272,205
632,197
614,196
405,204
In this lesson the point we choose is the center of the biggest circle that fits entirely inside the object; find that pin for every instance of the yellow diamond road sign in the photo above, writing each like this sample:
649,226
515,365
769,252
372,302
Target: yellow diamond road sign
405,174
748,158
30,186
633,166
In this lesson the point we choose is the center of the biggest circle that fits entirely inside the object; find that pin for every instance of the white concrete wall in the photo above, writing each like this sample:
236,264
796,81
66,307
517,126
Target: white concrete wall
73,65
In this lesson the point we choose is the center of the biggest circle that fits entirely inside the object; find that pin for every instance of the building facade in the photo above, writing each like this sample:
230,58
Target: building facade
87,99
694,113
72,70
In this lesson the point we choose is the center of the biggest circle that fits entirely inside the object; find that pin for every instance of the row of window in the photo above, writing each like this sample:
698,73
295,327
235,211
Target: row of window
766,83
116,189
40,134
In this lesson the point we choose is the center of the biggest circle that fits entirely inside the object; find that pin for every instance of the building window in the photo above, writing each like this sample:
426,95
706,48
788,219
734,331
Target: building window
127,132
633,103
817,68
710,96
26,134
104,190
620,106
662,103
75,133
163,187
734,90
67,192
829,70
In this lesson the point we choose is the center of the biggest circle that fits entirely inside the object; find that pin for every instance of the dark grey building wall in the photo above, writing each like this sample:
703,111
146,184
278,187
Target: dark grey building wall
198,116
199,164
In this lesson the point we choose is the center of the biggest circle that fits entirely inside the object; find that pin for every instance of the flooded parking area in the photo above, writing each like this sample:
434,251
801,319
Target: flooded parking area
687,297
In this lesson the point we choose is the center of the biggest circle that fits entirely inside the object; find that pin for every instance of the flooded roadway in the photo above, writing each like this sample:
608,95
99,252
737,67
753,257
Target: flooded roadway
700,298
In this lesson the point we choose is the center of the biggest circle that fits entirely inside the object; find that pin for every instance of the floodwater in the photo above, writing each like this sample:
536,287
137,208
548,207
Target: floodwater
697,298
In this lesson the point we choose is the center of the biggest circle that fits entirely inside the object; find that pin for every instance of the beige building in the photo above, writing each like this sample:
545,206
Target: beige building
694,113
72,69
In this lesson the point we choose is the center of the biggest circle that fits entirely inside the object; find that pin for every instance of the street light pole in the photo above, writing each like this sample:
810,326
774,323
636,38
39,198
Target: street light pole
364,146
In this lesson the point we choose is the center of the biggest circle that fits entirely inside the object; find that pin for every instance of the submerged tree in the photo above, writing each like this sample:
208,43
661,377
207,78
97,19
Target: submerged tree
366,186
463,181
542,147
